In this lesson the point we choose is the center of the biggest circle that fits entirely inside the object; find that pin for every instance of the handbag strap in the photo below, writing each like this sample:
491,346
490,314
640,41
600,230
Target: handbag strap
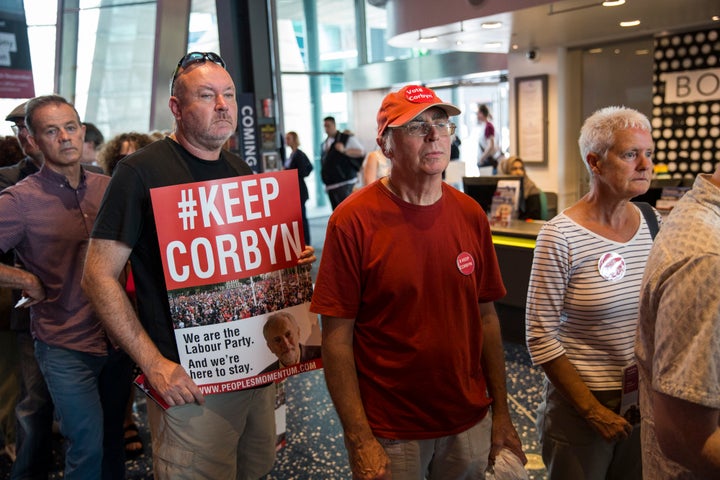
650,218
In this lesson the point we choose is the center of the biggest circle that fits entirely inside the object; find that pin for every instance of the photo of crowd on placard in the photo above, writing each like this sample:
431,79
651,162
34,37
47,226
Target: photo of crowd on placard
239,299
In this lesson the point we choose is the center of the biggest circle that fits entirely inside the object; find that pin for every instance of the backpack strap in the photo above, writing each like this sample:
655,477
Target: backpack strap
650,218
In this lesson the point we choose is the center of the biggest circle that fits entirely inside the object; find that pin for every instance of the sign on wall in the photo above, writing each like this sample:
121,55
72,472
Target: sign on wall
686,102
16,80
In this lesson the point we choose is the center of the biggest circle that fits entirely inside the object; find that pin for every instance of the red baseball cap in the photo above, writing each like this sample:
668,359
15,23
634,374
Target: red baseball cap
398,108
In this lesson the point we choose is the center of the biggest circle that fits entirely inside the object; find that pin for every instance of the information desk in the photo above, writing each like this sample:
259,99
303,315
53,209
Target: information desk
514,246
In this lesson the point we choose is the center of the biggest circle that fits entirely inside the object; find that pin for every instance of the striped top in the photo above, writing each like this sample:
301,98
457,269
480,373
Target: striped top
573,310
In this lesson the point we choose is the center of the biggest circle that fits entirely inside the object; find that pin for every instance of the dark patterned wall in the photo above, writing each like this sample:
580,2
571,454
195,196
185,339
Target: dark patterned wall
687,132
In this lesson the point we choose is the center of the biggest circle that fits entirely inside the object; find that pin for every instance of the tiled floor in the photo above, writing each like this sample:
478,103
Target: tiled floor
315,449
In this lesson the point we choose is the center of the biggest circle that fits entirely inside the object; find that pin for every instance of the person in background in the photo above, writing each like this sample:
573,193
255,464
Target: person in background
300,162
158,135
119,147
34,408
384,345
222,436
91,146
582,305
33,160
341,159
489,152
114,150
532,202
71,347
10,154
10,151
375,166
678,341
455,148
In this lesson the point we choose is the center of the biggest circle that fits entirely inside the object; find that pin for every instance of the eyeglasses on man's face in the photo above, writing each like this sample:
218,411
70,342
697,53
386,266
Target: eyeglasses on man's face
17,128
191,58
421,129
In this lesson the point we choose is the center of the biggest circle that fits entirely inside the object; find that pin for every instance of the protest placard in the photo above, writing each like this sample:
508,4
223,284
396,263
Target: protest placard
229,249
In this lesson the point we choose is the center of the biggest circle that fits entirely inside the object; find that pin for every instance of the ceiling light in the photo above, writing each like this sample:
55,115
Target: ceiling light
643,51
491,25
459,42
613,3
630,23
515,46
595,50
493,44
715,18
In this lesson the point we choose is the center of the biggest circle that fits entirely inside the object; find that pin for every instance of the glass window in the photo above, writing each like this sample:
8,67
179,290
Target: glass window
292,36
334,34
114,74
41,18
377,37
203,30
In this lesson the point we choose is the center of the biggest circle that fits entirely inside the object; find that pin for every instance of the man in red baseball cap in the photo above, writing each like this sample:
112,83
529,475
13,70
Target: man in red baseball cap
411,341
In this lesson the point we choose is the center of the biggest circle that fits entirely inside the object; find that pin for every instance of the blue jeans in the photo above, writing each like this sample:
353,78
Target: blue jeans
89,396
34,416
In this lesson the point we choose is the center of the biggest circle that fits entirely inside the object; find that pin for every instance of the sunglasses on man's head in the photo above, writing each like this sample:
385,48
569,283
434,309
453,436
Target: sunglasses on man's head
194,57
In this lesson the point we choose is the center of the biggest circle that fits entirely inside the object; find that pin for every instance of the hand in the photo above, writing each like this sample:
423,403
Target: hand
607,423
307,256
369,461
173,383
340,147
504,435
35,292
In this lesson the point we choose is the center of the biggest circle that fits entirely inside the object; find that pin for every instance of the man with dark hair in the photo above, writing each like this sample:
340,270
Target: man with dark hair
47,219
93,141
342,156
222,436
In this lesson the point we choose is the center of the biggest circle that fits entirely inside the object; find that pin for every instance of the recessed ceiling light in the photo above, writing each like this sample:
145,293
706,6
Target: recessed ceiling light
459,42
613,3
515,46
595,50
493,44
491,25
643,51
630,23
715,18
428,39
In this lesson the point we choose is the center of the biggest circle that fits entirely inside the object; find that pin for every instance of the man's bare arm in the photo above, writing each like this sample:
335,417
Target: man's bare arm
103,266
688,433
493,360
19,279
367,457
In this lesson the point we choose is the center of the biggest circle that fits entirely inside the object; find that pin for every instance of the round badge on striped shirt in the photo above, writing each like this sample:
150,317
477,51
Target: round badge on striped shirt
611,266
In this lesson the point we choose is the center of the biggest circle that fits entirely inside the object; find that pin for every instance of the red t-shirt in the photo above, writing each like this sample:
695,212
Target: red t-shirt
402,272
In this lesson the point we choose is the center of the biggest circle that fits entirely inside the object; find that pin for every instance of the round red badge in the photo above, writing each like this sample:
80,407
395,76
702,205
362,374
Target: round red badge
611,266
465,263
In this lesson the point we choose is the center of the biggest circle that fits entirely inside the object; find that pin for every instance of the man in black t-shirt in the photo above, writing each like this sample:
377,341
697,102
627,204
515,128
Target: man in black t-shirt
226,435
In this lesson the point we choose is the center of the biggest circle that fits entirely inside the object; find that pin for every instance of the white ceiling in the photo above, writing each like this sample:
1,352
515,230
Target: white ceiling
569,23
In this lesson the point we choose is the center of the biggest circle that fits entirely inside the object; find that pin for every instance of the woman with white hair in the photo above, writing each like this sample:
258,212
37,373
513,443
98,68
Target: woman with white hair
583,300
